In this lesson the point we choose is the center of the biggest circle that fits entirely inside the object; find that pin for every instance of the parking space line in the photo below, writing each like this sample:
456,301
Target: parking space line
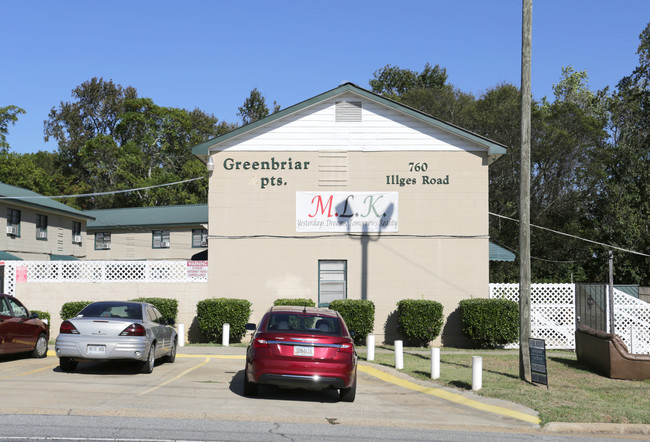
452,397
30,372
211,356
174,378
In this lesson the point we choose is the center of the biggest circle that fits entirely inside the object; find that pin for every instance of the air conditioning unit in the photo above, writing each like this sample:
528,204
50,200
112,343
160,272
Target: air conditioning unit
105,246
12,230
164,244
76,239
42,235
204,243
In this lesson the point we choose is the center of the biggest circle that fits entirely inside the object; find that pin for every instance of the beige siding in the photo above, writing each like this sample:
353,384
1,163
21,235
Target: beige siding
138,244
439,253
28,247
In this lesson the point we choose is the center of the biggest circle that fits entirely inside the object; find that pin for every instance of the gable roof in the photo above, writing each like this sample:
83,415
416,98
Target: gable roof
27,198
494,149
139,217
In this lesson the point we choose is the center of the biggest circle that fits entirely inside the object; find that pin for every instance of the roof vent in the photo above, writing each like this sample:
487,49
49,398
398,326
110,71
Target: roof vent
348,111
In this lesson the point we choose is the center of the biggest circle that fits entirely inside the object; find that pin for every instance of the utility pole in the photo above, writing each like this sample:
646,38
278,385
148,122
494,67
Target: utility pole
524,194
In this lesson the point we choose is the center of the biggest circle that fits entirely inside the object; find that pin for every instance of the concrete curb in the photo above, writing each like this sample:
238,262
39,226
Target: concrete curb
596,428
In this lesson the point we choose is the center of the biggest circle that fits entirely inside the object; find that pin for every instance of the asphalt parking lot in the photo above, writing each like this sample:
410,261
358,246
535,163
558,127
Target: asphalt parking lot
206,383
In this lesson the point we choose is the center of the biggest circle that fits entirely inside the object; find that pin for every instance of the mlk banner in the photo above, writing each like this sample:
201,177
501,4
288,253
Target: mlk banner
351,212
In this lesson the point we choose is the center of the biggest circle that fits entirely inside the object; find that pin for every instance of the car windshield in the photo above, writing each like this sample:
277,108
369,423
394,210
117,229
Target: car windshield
123,310
303,323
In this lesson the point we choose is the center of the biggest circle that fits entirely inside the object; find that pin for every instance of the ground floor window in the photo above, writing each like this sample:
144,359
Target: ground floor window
41,227
332,276
13,222
102,241
76,232
199,238
161,239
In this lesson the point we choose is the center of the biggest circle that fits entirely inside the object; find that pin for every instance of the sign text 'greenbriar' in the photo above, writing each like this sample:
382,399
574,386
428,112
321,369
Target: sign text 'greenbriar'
272,164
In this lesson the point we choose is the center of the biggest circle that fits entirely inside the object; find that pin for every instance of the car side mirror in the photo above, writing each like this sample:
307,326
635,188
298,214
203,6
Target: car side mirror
170,321
250,326
33,316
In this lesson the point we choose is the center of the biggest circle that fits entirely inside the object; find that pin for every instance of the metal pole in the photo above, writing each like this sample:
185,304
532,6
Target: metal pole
524,193
611,292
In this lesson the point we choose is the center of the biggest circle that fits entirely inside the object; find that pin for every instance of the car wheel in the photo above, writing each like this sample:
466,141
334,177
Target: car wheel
147,366
171,357
40,349
250,388
68,364
348,394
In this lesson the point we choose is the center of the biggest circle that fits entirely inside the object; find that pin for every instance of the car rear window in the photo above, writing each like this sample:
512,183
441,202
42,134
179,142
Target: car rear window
112,310
301,323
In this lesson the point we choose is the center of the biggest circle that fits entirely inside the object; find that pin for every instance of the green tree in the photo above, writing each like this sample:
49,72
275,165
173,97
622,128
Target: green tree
112,140
393,82
255,108
620,214
8,115
96,111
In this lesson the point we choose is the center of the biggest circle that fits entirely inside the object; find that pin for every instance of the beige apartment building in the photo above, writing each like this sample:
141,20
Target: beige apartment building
148,233
350,195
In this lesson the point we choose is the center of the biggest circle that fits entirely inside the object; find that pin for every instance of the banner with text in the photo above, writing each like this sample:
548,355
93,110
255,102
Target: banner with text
352,212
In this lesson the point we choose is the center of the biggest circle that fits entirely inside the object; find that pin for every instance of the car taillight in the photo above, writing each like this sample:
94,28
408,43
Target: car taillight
346,348
68,329
258,342
134,330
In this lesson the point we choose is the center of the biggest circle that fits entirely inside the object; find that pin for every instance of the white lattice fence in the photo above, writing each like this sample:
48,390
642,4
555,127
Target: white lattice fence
632,322
104,271
552,311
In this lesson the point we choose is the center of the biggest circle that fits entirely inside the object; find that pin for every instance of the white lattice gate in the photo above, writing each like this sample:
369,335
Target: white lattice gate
552,311
632,322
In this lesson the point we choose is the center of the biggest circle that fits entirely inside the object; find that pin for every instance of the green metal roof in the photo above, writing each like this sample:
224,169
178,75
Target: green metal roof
494,148
4,256
63,258
24,197
138,217
498,253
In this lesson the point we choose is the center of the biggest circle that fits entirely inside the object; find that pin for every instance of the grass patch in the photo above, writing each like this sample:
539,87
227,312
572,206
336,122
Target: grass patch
575,394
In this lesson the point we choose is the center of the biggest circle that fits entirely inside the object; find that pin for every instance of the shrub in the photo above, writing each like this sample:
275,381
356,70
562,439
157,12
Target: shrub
168,307
212,314
490,323
419,320
70,309
301,302
359,316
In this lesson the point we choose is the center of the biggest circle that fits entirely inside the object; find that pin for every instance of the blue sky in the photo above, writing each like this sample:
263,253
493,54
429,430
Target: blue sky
211,54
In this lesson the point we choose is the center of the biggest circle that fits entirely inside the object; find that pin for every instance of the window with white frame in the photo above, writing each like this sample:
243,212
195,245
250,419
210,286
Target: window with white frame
13,222
102,241
332,285
199,238
41,227
160,239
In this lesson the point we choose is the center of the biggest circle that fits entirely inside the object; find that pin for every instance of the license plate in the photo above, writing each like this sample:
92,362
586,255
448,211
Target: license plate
303,351
96,349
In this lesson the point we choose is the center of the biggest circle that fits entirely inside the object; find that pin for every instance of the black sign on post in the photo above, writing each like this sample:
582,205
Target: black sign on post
538,361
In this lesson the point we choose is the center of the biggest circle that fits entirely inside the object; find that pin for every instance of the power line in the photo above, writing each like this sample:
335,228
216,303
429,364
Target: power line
573,236
112,192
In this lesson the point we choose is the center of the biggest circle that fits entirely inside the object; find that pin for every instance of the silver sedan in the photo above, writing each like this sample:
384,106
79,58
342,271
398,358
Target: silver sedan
116,330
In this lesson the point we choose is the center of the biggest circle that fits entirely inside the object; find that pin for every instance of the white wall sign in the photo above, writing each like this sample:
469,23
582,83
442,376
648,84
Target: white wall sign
352,212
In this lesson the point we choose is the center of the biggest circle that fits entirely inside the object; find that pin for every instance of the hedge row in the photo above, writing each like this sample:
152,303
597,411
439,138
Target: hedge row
485,322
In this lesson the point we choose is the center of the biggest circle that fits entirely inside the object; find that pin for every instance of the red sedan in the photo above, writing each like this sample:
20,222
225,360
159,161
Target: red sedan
20,331
302,347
